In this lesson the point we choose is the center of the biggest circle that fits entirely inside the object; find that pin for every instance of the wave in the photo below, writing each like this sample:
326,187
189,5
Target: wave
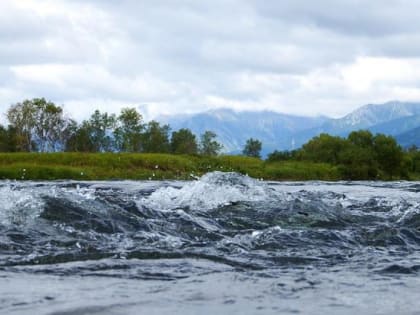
225,218
210,191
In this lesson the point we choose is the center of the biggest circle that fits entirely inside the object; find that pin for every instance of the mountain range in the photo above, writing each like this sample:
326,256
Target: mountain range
279,131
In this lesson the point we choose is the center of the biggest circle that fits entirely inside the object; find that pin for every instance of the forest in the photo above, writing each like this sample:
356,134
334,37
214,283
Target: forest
38,125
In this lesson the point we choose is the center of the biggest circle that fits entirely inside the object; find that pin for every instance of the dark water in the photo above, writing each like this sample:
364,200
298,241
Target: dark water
225,243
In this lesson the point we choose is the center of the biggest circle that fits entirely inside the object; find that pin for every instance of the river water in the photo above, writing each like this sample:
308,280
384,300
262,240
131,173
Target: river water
224,244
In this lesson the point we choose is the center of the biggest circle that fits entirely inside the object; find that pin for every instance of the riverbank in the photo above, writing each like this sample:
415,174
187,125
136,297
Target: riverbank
136,166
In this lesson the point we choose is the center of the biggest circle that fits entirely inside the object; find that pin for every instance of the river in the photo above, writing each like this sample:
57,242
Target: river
224,243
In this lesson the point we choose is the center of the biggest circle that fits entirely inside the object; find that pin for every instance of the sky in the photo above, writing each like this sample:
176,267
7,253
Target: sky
323,57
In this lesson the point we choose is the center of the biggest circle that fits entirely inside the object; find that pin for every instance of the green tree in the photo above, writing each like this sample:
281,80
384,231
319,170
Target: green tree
412,159
155,138
100,127
50,125
127,134
21,117
39,125
80,139
388,154
8,140
183,141
4,141
209,145
323,148
252,148
357,162
70,137
357,158
93,135
282,155
361,138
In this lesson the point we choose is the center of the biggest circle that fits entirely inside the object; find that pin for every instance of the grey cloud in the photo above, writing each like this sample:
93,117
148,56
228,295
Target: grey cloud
350,17
30,38
400,46
180,43
194,50
5,75
19,24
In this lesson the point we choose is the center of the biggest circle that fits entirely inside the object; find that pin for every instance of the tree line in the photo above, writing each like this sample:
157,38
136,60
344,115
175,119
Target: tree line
360,155
39,125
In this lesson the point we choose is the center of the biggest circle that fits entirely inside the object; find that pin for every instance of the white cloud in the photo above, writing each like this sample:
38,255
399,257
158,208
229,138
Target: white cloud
368,71
325,57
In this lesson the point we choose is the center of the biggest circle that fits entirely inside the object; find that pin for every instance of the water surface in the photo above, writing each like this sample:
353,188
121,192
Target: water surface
225,243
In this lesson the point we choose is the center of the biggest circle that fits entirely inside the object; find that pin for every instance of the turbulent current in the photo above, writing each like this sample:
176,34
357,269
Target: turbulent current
224,243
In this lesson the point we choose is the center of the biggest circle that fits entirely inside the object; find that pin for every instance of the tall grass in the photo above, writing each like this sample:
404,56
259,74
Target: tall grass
106,166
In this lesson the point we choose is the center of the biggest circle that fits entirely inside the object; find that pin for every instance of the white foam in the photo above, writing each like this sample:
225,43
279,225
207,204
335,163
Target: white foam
23,202
210,191
18,205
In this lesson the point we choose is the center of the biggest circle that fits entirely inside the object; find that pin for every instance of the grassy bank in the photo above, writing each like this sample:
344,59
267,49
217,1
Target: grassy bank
106,166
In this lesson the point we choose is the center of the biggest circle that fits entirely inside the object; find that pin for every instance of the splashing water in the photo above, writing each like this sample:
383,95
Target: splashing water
209,192
18,206
223,243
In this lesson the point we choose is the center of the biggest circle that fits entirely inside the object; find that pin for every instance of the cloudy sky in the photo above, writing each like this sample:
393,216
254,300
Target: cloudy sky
178,56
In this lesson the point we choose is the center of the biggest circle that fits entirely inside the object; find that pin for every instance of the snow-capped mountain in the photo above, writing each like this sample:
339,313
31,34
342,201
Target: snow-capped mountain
374,114
233,128
285,132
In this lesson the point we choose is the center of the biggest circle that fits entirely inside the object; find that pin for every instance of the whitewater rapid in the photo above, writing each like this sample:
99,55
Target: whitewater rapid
223,243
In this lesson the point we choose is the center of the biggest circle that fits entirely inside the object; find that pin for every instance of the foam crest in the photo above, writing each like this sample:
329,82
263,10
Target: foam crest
211,191
17,206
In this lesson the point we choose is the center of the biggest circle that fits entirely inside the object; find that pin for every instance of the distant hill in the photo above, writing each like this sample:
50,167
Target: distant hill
233,128
374,114
285,132
397,126
409,138
390,118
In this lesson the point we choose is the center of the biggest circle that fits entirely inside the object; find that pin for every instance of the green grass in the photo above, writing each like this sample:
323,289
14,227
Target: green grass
298,170
106,166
